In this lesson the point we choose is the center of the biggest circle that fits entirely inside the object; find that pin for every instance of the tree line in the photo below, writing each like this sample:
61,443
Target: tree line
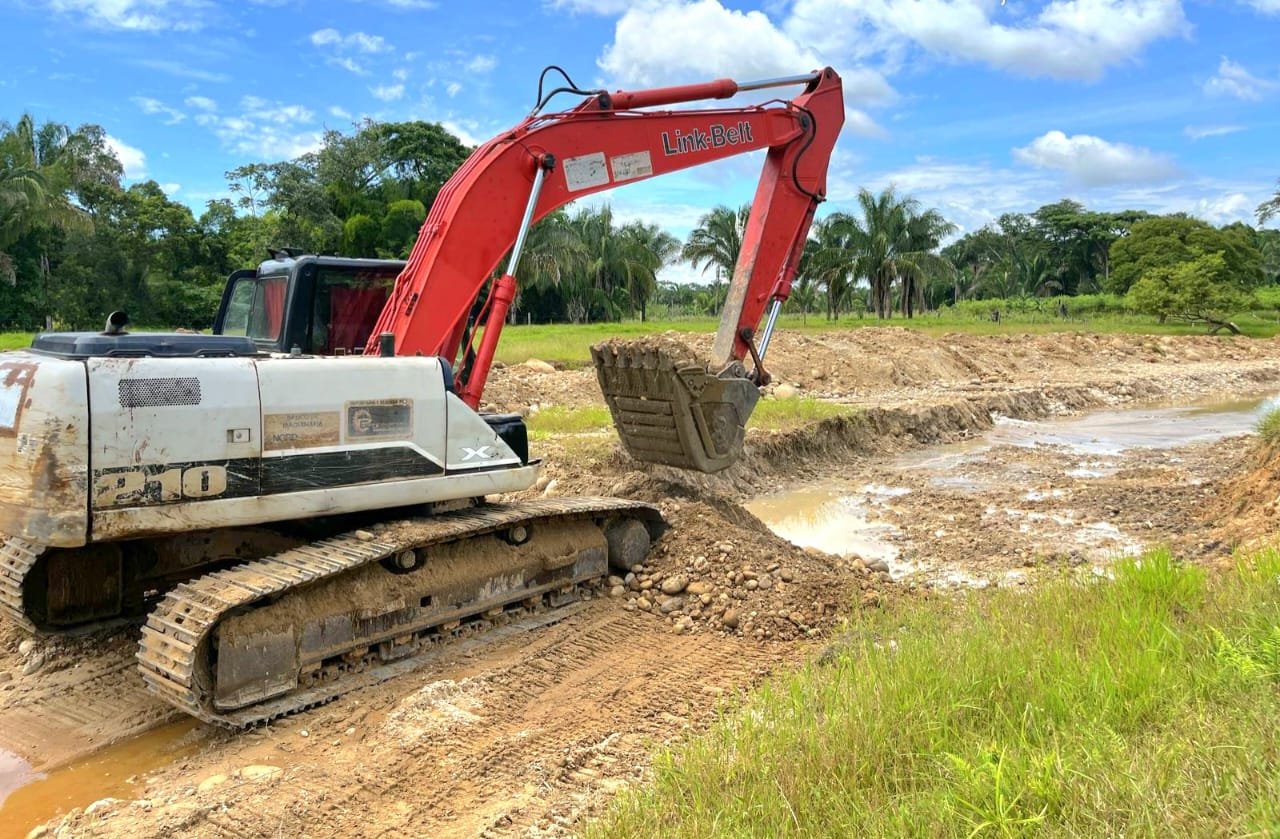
75,243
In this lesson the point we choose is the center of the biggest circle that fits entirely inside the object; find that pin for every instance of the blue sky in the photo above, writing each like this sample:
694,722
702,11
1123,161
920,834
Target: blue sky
973,107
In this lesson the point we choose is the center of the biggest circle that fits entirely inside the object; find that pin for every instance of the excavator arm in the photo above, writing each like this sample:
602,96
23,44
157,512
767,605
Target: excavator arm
485,210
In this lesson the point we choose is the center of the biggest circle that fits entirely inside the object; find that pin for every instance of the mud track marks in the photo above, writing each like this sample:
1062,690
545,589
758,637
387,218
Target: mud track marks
526,738
53,716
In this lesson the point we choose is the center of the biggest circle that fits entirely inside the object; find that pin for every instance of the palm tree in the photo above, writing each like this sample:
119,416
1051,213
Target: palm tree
649,249
41,169
828,259
552,252
717,240
894,243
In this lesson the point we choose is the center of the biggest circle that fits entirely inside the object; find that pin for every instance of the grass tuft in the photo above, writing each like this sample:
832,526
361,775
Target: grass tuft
1269,427
784,414
557,420
1142,705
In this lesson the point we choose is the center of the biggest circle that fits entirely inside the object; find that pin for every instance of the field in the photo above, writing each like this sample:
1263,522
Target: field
969,579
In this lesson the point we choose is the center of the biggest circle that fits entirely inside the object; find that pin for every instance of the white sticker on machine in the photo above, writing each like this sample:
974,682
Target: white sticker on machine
628,166
585,172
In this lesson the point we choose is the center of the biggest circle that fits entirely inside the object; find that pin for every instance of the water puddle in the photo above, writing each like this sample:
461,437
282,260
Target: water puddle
833,520
851,519
29,798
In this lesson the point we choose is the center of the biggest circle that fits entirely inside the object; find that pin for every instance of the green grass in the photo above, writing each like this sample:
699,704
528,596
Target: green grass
15,340
1146,706
569,344
1268,427
557,420
781,414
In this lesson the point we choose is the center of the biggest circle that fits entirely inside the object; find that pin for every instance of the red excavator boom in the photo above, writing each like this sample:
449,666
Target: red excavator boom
548,160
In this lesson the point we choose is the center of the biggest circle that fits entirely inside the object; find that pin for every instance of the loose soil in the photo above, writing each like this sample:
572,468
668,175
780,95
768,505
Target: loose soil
528,737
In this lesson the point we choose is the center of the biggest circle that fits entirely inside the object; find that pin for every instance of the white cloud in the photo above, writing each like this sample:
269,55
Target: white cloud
202,103
1267,7
482,64
1199,132
453,89
595,7
1065,39
171,189
339,112
674,44
400,74
1224,209
348,64
357,41
1092,161
137,15
464,130
177,68
1234,80
388,92
155,106
134,160
264,129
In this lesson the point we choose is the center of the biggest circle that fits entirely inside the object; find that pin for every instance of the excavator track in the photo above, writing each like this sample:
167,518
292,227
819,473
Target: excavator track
17,558
187,651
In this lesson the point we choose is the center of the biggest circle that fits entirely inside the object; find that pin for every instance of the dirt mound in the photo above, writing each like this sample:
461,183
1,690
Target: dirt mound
1247,509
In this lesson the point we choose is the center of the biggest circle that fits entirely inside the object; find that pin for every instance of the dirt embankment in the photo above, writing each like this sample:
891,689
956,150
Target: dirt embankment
527,737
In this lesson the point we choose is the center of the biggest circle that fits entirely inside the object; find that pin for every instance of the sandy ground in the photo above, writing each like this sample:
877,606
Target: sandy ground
528,736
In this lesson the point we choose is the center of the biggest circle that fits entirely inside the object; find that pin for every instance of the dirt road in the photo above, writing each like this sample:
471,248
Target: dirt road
529,735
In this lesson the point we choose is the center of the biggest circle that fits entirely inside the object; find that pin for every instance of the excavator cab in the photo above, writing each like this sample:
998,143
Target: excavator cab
320,305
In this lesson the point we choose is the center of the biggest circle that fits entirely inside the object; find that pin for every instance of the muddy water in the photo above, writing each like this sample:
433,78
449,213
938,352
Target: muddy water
29,798
852,517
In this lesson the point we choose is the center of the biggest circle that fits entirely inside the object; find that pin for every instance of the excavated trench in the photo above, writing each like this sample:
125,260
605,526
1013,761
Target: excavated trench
1038,479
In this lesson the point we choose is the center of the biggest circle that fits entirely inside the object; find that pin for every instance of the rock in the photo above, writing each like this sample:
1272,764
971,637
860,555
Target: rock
765,581
541,484
671,604
699,588
260,772
879,566
725,547
785,391
100,805
33,664
363,535
730,618
751,585
815,373
871,599
787,576
550,488
304,733
614,580
537,365
643,603
38,832
617,591
211,782
675,585
25,648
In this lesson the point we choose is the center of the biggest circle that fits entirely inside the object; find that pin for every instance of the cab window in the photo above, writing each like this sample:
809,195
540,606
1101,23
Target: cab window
256,308
345,307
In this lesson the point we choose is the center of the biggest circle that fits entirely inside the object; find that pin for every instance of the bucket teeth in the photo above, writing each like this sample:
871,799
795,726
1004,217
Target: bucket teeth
670,409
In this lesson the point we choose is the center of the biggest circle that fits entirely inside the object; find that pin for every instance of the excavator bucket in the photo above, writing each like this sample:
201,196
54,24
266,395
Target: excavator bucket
671,409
